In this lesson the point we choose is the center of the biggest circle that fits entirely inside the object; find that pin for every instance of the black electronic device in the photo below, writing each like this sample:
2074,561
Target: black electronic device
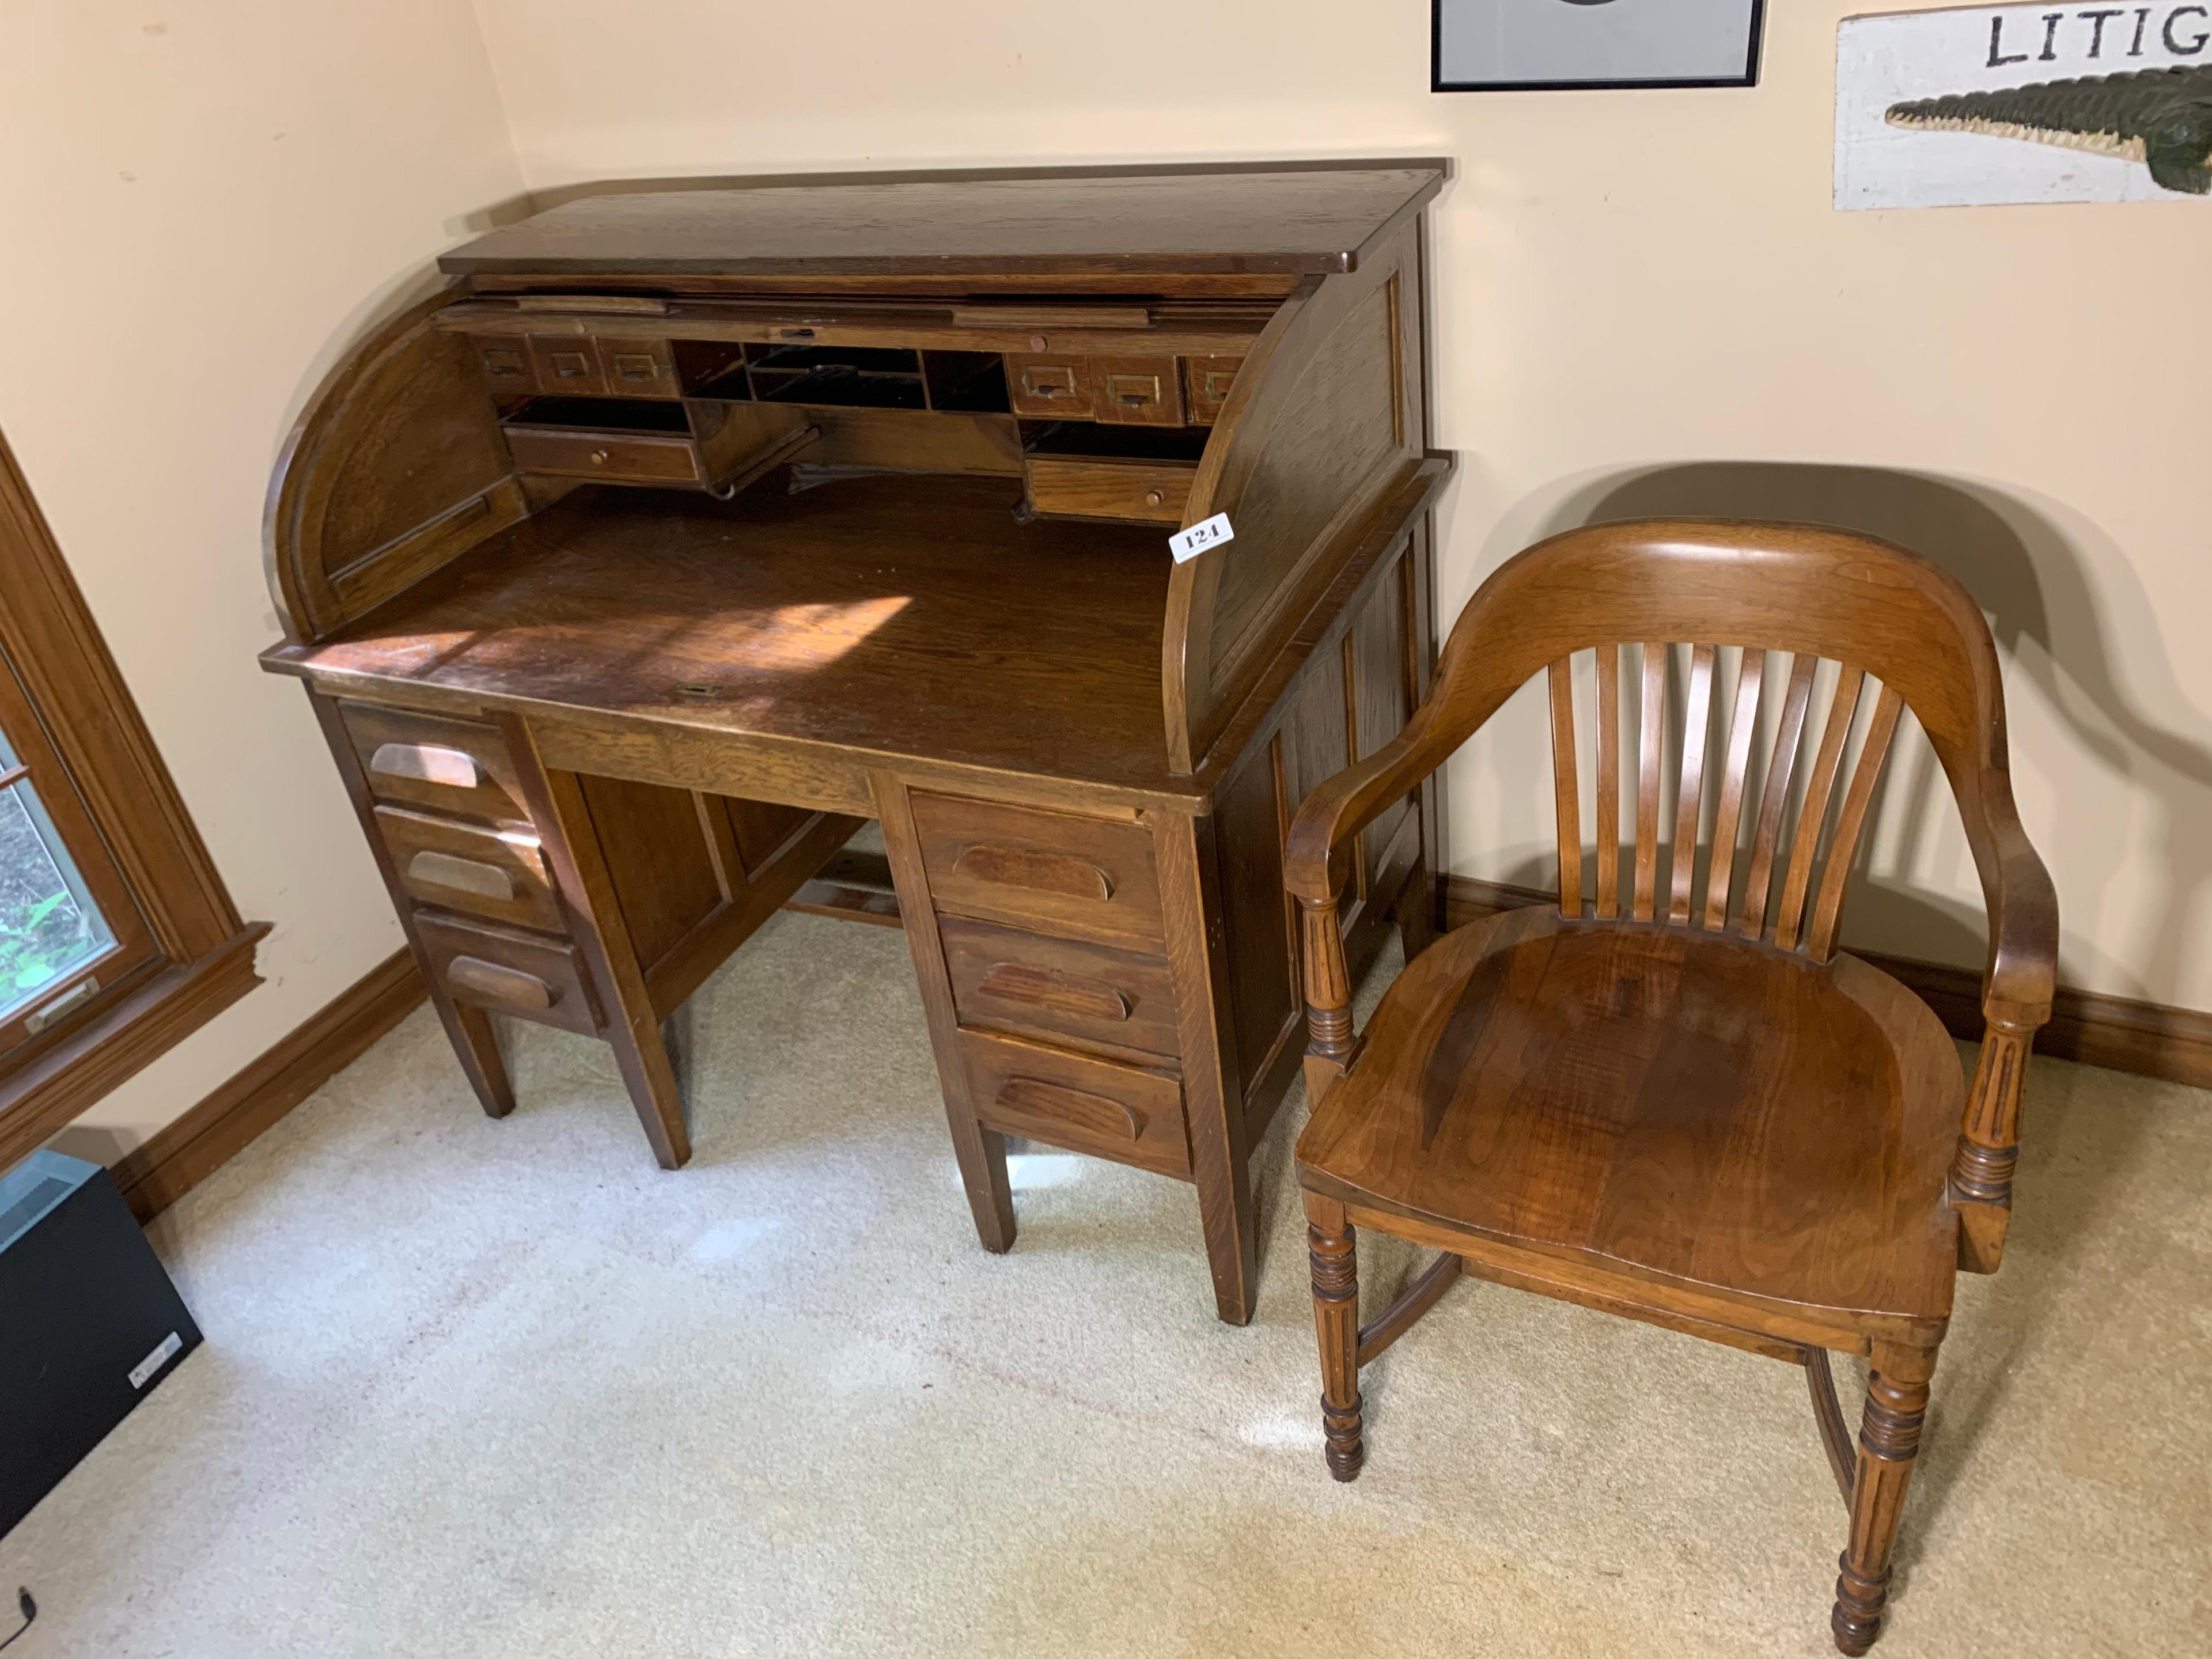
89,1322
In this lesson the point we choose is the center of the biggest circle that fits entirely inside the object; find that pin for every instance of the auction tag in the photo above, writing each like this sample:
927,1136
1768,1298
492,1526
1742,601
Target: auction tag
1187,545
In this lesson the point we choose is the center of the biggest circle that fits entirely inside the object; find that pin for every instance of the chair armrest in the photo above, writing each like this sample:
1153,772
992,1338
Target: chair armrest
2017,987
1341,807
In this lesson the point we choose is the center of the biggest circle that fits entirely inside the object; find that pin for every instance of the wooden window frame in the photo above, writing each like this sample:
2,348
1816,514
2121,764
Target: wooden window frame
183,953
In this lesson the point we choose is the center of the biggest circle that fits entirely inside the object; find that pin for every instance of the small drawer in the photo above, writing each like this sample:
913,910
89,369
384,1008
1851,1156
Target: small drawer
567,365
1082,487
539,979
638,368
1050,388
466,866
505,360
1092,878
426,760
1207,381
1121,1112
647,458
1137,391
1058,988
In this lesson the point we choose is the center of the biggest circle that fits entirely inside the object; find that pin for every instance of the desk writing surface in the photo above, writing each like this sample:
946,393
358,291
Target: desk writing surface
899,615
1313,219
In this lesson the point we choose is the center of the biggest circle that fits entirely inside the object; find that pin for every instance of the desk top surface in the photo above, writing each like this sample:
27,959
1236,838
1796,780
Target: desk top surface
1315,219
898,617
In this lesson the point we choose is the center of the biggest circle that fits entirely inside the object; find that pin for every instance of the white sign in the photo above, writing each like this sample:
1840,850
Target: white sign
1187,545
2024,103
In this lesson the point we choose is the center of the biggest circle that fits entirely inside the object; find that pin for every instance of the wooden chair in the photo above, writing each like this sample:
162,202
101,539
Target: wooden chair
1682,1104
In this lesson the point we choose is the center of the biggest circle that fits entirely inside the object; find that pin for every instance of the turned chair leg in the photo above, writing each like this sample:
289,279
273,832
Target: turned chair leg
1889,1440
1333,1253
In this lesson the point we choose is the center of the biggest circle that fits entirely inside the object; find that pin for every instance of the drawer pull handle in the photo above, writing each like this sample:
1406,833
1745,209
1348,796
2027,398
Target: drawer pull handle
502,984
571,366
1049,382
638,368
426,762
1075,994
1075,1107
1217,382
598,457
434,869
1134,389
1040,872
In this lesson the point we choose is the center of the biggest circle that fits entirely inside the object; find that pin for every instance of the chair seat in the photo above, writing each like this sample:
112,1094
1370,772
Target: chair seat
1682,1105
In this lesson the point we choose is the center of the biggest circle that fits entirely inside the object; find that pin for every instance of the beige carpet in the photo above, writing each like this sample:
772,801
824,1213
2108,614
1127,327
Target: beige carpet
480,1388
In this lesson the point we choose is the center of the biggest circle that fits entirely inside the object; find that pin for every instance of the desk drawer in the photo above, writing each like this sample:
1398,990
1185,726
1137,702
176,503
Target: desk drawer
428,760
1138,391
1084,487
1051,388
647,458
638,368
539,979
1121,1112
1092,878
1207,381
1058,988
466,866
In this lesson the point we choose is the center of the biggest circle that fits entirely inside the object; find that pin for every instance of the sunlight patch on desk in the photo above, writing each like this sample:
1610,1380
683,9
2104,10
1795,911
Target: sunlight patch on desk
795,638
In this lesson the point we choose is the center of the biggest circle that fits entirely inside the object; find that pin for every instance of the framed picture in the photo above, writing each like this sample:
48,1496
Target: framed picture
1525,46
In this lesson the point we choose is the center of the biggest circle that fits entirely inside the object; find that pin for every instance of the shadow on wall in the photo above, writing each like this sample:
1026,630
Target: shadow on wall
2056,611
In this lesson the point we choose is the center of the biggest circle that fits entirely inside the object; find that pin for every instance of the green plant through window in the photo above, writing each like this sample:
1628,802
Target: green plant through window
49,924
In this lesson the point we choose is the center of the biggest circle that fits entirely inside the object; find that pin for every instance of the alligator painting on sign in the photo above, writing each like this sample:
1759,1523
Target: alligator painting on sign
2024,103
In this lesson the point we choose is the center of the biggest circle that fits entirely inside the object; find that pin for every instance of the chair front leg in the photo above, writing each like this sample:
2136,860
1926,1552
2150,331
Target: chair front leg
1889,1440
1333,1253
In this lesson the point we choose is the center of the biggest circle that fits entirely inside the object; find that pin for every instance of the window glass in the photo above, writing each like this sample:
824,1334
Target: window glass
49,922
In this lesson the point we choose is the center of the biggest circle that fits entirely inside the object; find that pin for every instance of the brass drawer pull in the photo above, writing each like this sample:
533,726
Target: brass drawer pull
1075,994
1217,382
1134,389
502,984
1040,872
1039,382
1056,1101
636,368
427,762
436,869
570,365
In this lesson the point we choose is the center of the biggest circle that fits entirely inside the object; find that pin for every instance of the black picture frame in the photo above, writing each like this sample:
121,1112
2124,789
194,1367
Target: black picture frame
1438,83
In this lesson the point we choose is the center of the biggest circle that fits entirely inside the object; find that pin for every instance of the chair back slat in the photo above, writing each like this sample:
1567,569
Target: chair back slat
1742,731
1608,782
1566,803
1796,869
1828,904
1650,762
1689,799
1819,788
1751,920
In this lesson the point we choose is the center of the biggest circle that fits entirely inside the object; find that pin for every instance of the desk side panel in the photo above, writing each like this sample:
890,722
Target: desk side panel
396,468
1324,423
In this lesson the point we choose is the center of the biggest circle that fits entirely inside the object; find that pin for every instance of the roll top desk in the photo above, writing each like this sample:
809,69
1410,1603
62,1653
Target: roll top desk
687,531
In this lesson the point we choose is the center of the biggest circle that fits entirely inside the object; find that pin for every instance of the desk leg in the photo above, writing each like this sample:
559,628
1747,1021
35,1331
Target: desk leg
981,1151
1213,1103
563,821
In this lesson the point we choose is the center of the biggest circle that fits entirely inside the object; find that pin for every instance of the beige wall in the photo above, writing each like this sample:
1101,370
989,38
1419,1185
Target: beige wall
200,202
204,202
1626,283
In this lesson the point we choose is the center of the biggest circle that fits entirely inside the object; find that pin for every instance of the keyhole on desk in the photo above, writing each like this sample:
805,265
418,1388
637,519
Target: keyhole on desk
703,693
